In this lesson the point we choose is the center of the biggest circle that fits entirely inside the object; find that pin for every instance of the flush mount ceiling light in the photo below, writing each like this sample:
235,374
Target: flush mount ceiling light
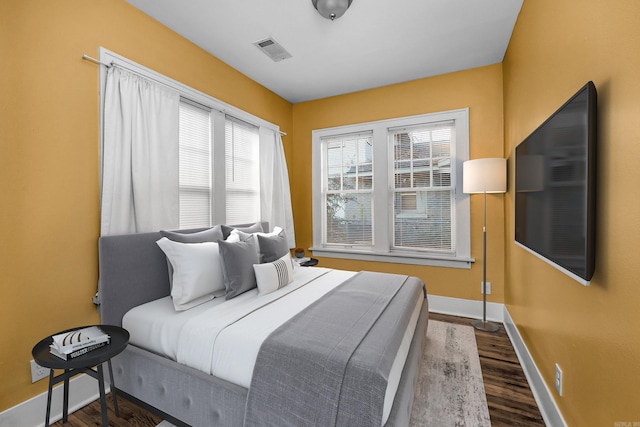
331,9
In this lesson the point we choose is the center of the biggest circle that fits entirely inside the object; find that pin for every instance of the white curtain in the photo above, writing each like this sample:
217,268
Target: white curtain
140,155
275,196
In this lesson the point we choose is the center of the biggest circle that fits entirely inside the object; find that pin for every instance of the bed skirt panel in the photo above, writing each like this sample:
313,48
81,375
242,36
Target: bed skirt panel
401,410
185,393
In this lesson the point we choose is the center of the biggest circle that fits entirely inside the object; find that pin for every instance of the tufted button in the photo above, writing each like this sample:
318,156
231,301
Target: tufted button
187,402
215,416
163,390
140,380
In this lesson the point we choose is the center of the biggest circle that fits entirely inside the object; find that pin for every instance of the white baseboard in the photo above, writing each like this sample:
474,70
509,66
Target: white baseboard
83,390
541,393
465,308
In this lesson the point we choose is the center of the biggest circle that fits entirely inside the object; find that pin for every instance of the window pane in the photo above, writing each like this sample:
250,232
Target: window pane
349,219
441,148
422,156
334,154
365,182
242,165
349,163
334,179
194,166
349,177
423,220
441,179
403,180
422,177
402,146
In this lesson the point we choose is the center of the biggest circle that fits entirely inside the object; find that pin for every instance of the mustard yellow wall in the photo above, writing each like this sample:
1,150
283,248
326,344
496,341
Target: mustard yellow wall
49,162
480,90
592,332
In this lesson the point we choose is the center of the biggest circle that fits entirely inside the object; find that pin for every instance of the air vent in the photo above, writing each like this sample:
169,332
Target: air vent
272,49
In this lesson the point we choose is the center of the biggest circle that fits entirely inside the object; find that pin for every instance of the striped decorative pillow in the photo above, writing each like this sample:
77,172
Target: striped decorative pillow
272,276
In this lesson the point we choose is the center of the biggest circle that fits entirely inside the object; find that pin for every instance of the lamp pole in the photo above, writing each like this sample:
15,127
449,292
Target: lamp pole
483,325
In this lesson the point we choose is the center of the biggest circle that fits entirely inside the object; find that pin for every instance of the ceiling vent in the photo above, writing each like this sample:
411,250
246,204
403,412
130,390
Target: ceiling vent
272,49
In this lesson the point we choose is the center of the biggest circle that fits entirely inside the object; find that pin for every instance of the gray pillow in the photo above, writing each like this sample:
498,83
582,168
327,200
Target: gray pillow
272,247
211,235
237,266
254,228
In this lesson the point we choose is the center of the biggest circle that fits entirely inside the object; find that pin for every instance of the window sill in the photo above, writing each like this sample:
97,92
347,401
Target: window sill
396,258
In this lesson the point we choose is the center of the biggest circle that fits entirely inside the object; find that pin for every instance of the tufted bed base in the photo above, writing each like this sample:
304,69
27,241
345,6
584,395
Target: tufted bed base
191,397
132,272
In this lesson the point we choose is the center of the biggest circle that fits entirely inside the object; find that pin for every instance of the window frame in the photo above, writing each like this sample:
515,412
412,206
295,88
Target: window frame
383,176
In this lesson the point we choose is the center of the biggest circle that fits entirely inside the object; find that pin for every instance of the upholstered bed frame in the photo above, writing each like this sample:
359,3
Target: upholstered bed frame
133,271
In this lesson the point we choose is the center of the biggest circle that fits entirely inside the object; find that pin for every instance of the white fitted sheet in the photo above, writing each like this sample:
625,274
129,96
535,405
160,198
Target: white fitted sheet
223,338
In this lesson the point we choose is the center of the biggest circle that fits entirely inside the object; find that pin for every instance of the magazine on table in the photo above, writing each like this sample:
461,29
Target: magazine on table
78,342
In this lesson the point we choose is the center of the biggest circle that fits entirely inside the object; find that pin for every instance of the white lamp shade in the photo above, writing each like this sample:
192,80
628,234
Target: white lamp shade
484,175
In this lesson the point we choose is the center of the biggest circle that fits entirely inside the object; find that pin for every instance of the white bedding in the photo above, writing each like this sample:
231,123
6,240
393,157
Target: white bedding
235,329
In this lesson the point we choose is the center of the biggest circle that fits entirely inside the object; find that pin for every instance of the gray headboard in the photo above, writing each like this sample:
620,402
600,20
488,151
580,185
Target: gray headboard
132,271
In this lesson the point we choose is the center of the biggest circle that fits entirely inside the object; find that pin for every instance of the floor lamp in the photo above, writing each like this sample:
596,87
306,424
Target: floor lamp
482,176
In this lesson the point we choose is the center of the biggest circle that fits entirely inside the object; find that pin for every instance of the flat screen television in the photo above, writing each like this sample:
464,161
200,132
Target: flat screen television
556,187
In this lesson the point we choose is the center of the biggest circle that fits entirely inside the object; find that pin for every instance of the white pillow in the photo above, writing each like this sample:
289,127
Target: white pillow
237,235
272,276
197,272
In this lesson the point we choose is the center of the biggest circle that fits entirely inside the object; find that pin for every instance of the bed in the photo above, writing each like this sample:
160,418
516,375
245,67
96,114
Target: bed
217,388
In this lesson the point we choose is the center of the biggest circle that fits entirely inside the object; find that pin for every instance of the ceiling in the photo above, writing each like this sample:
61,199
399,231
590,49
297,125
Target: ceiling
375,43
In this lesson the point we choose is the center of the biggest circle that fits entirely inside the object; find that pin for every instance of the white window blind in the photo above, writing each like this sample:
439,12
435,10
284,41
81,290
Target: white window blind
242,166
348,195
423,191
195,165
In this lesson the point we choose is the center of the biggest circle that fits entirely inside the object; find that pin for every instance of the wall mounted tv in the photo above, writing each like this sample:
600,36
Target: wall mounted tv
556,187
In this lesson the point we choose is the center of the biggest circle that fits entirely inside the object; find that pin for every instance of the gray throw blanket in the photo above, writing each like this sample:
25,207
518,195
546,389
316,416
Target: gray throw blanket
329,365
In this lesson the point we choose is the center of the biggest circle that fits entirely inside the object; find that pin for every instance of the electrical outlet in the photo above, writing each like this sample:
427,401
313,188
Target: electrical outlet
558,380
38,372
488,288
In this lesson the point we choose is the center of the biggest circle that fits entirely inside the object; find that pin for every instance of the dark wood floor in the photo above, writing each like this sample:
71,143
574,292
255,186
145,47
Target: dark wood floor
509,397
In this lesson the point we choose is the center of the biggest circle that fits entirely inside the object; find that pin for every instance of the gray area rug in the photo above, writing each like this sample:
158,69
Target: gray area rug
450,390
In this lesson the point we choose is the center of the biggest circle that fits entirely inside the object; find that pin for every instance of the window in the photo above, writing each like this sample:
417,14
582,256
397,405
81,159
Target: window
241,201
423,192
219,149
242,166
392,190
194,165
348,198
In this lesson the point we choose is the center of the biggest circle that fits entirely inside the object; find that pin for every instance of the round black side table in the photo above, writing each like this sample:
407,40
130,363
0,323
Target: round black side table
82,364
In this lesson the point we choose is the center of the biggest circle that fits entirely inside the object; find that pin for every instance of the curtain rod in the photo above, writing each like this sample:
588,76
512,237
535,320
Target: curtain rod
88,58
94,60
